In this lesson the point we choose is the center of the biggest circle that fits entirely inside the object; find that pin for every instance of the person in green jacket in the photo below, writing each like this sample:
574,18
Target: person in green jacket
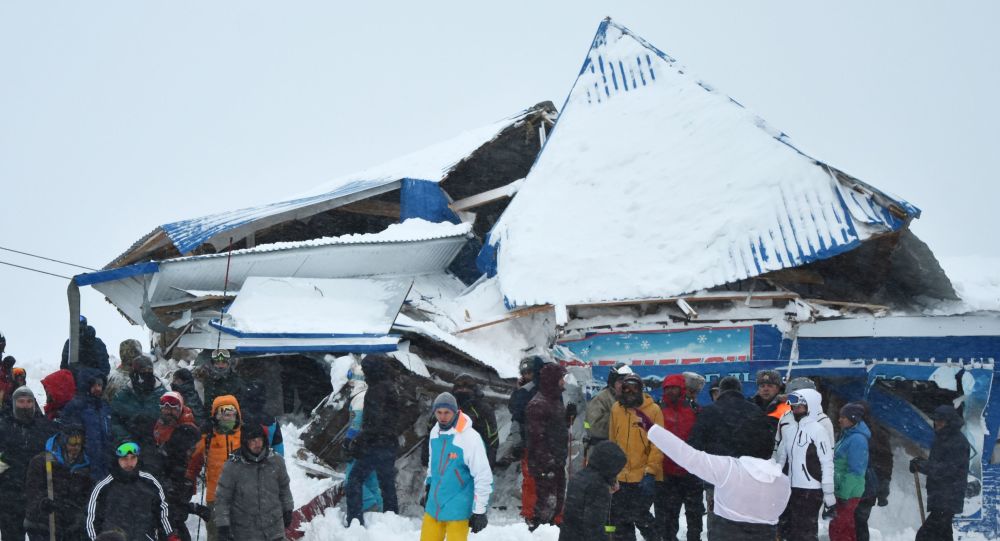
597,416
850,462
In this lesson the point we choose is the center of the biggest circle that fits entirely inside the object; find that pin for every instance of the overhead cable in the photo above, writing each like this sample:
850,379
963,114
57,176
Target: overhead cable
35,270
46,258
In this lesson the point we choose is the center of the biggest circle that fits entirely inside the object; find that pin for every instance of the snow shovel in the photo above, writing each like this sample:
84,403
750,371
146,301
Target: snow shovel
51,491
920,496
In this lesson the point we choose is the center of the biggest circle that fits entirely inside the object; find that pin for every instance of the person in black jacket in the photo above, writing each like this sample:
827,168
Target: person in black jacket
182,382
254,413
374,448
129,500
71,485
588,496
92,353
22,436
732,426
947,471
484,421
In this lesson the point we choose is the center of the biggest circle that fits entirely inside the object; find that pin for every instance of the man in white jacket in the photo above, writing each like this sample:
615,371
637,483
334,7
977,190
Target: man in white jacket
808,453
750,492
787,425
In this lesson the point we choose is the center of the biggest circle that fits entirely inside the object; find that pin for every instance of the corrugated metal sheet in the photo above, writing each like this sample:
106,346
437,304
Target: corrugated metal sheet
678,185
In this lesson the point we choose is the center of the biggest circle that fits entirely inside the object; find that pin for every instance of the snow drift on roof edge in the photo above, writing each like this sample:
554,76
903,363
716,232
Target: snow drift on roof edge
652,184
430,163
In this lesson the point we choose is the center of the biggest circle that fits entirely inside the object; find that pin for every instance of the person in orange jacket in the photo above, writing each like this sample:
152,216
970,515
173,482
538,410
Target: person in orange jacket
214,449
644,467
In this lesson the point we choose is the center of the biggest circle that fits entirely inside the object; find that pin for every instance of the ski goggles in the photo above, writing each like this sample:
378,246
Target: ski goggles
226,409
170,402
127,448
220,356
795,400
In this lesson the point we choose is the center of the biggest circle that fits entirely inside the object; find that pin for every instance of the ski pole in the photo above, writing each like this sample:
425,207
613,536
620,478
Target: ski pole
920,496
51,491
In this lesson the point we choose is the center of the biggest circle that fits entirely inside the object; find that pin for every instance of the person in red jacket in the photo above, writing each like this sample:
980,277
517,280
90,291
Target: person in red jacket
547,446
59,390
679,488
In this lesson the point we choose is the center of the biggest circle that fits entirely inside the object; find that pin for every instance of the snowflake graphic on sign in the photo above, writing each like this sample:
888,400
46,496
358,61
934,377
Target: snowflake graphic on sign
702,338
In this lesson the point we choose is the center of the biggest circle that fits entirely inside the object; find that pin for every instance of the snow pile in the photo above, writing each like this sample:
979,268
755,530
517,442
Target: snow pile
391,527
317,305
654,185
304,488
976,280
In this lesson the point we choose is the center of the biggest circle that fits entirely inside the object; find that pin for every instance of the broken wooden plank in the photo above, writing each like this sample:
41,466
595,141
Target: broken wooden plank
740,296
373,207
856,305
513,315
486,197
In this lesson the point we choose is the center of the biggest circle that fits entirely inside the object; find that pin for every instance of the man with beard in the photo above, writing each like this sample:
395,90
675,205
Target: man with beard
637,481
548,445
22,436
129,500
71,486
809,455
597,416
136,408
89,410
484,421
219,378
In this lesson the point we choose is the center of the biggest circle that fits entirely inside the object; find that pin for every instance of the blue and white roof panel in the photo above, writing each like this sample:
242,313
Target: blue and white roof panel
653,184
432,163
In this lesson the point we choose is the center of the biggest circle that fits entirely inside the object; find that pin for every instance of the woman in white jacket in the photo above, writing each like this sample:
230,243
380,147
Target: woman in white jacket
750,492
809,457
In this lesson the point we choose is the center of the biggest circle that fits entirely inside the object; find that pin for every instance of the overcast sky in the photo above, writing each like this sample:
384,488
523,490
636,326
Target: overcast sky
116,117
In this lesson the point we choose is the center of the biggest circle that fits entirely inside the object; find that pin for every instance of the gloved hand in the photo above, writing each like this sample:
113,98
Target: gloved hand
883,501
224,533
917,464
644,419
350,447
570,413
202,511
286,518
829,499
829,512
477,522
648,485
427,493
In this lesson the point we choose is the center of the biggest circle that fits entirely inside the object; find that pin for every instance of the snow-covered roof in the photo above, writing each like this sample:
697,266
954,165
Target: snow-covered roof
432,163
412,248
653,184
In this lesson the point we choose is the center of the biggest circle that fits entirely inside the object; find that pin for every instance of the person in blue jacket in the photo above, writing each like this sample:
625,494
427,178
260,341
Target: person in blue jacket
89,410
459,480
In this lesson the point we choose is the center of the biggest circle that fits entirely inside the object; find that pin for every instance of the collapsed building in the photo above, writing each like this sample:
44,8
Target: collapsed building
656,222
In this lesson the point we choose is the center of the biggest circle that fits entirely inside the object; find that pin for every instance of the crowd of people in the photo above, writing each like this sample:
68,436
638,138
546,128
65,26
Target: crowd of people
769,466
118,455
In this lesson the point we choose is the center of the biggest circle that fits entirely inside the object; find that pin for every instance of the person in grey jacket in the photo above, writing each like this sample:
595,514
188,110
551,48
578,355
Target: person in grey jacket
253,501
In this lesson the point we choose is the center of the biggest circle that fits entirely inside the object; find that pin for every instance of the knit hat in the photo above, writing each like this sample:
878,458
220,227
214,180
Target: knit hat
796,384
447,401
854,412
23,391
768,376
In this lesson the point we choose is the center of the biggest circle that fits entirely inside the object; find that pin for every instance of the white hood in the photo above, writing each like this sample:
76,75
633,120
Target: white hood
763,470
815,403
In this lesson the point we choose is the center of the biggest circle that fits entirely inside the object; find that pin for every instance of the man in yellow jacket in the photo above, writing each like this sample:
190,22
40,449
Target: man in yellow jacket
637,480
